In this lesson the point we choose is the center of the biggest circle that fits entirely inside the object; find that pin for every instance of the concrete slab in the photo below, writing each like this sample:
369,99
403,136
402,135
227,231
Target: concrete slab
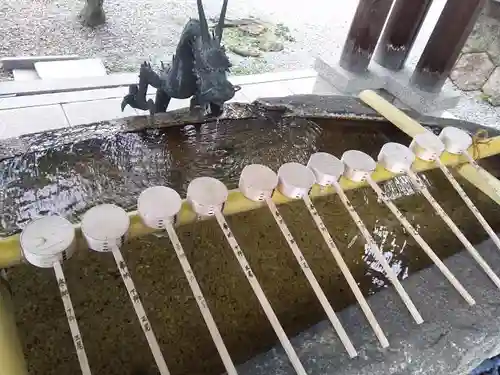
62,97
314,85
87,106
81,113
70,69
398,84
345,81
272,77
184,103
266,90
27,62
240,98
25,75
444,114
10,102
249,92
43,86
16,122
398,103
172,106
124,79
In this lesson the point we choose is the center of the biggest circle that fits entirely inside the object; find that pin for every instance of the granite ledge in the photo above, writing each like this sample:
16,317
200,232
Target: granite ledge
454,338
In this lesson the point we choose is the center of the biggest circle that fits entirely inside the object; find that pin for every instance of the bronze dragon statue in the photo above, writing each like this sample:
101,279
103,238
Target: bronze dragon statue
198,71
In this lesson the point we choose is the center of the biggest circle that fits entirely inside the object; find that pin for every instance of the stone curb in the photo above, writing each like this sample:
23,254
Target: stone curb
453,340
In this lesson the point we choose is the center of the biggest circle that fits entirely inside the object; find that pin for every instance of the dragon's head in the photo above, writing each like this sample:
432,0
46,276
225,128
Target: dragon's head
211,61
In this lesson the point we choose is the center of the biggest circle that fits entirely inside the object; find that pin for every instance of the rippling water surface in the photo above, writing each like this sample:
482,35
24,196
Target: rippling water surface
116,167
69,179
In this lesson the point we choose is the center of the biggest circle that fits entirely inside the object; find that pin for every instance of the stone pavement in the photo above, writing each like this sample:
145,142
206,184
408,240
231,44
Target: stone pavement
35,113
478,69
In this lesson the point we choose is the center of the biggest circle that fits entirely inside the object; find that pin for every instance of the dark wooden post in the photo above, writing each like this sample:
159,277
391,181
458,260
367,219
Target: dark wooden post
363,35
445,44
400,32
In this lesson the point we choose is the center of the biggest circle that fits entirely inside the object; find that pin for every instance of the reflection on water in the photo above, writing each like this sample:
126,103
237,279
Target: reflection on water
113,167
389,246
398,187
69,179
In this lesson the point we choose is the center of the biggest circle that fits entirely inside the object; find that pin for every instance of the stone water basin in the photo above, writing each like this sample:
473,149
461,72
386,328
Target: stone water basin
68,173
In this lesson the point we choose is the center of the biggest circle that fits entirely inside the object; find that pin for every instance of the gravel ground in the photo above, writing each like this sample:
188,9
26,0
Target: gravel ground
145,29
149,29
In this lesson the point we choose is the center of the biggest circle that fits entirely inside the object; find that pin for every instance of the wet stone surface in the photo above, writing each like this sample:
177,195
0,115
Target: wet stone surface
453,340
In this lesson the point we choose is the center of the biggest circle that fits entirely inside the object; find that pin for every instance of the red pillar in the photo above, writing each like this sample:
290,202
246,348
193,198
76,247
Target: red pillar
400,32
445,44
364,33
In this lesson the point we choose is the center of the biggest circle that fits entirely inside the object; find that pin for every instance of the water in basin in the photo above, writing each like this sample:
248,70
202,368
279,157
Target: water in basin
69,179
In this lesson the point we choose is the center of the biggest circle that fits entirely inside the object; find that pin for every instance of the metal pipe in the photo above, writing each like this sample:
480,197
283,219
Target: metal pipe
396,42
12,360
363,35
445,44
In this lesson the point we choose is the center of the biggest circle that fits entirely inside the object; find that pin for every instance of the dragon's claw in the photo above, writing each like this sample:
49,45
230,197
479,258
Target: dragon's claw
126,101
134,100
145,69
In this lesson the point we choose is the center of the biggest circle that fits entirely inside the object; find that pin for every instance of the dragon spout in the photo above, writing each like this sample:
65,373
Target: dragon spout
199,69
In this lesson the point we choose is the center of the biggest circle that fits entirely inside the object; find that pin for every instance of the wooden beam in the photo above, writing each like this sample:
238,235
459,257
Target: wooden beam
400,33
